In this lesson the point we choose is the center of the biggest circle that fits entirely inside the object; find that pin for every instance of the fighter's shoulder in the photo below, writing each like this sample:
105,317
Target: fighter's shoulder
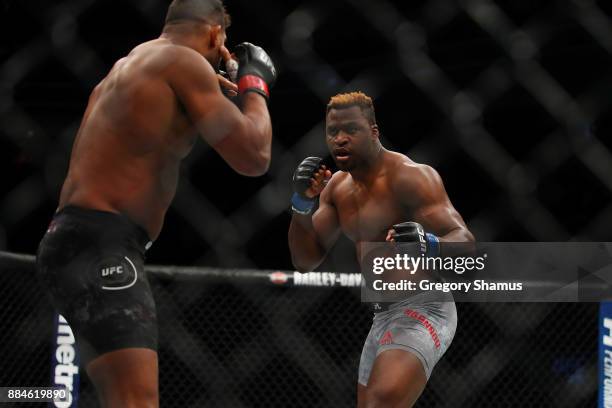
186,58
337,179
407,173
172,58
336,182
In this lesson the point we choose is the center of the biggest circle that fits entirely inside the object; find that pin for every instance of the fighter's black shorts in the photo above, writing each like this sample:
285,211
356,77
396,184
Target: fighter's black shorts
91,263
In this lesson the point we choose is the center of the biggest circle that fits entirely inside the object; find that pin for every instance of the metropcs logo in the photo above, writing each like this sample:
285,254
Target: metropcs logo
607,340
65,357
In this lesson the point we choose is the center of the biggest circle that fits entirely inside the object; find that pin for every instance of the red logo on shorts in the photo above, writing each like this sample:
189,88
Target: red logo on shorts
386,339
416,315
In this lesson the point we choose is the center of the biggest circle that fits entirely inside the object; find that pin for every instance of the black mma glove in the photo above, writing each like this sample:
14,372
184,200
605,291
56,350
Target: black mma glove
413,232
256,72
300,203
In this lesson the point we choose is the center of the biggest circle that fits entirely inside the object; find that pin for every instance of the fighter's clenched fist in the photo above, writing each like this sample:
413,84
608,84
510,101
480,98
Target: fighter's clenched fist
309,179
411,231
256,72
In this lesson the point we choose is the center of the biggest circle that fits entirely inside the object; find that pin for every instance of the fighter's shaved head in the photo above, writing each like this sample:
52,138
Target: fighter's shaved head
209,11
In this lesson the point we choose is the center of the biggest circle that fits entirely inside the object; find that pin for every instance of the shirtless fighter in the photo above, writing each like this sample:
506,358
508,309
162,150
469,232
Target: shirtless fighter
141,121
379,195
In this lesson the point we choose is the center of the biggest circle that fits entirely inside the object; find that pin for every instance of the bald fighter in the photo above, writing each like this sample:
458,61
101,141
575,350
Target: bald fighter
140,122
378,195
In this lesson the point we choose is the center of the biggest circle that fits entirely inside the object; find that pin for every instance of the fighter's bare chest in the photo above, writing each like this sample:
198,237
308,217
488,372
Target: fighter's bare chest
366,214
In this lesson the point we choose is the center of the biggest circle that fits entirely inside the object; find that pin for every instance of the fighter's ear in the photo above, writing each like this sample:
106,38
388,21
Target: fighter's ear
215,36
375,132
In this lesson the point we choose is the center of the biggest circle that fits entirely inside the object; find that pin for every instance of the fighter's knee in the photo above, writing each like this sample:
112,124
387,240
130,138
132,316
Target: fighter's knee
149,395
138,397
143,392
382,397
129,394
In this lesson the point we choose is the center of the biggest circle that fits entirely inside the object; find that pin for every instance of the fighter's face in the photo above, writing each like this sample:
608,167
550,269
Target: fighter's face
216,37
350,137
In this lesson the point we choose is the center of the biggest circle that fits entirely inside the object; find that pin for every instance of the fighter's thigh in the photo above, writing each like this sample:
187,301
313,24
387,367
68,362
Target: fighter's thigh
368,353
104,295
126,376
397,380
120,307
361,395
366,362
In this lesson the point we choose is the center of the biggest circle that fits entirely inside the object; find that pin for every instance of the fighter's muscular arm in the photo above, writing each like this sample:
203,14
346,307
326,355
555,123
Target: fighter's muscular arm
421,190
242,138
311,236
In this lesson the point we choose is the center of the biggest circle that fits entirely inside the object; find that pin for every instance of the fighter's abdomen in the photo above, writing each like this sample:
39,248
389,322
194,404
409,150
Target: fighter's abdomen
141,187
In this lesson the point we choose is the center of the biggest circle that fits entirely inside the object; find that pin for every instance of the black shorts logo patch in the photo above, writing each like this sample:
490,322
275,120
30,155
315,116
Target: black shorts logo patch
117,273
108,271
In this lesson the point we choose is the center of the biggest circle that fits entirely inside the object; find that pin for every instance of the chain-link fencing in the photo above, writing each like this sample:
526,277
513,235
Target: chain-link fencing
240,341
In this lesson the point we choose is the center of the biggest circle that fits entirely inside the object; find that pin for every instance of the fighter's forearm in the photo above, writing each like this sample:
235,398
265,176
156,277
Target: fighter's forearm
459,234
306,251
255,109
255,74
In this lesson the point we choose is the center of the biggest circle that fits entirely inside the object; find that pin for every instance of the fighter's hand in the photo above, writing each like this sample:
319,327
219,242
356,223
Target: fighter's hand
414,232
228,87
318,181
311,177
406,232
256,72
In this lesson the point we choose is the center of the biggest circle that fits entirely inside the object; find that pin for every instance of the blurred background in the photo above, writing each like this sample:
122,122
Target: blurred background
509,100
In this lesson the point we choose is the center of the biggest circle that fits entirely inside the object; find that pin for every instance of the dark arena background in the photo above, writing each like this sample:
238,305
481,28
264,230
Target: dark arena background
509,100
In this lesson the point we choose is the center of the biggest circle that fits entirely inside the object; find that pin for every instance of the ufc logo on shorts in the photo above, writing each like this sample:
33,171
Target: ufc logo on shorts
112,270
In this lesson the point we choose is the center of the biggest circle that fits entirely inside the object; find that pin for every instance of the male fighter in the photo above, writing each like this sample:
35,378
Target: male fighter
141,121
372,199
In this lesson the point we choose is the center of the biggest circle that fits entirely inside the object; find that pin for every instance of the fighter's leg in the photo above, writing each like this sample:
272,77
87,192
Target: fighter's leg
126,378
397,380
92,264
366,362
119,349
116,334
409,342
361,395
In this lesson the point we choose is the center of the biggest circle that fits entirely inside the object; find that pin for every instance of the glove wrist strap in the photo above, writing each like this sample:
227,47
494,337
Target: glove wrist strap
302,205
433,245
252,83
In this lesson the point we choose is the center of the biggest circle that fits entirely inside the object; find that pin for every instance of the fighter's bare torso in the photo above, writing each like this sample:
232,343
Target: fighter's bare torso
396,189
133,135
367,209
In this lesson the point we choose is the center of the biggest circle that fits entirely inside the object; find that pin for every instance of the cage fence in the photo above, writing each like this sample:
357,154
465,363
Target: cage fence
242,340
